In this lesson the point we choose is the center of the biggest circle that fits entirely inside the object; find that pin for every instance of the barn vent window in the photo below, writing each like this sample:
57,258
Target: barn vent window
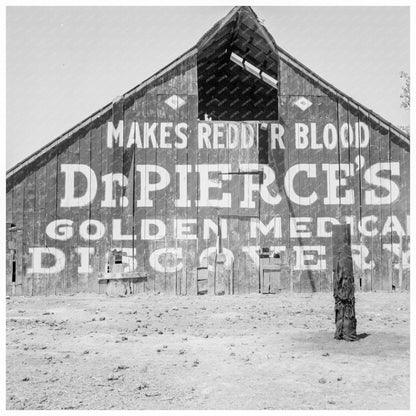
239,84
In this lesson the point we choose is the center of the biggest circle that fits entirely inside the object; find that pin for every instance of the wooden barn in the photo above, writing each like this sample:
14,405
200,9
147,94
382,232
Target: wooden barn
221,174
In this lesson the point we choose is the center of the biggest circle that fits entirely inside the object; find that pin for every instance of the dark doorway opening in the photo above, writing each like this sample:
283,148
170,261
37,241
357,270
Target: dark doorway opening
14,267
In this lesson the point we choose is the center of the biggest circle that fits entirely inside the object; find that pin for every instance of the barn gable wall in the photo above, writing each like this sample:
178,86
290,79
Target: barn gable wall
181,216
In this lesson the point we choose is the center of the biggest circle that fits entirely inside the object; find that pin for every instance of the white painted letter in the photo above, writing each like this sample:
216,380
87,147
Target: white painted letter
335,182
109,179
116,134
84,259
69,199
250,187
302,258
145,229
276,132
301,135
206,184
60,229
275,223
85,233
171,265
371,176
146,187
39,252
291,173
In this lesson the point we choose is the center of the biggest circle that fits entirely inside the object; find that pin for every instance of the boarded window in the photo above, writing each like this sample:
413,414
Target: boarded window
118,258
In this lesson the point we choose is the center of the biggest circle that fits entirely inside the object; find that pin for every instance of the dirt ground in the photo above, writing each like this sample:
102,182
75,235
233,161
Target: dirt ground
226,352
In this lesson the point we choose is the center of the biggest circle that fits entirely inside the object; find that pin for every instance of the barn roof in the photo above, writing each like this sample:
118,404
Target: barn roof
239,28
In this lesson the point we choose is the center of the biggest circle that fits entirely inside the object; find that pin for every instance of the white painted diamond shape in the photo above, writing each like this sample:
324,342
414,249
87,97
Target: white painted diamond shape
303,103
175,102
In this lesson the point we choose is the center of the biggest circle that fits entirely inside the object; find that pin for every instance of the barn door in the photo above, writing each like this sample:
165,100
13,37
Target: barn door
243,275
243,183
269,266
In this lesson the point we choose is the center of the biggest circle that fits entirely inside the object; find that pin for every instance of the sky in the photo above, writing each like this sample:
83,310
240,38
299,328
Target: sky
65,63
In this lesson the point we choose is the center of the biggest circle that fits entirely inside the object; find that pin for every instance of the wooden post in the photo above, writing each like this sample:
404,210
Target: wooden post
343,281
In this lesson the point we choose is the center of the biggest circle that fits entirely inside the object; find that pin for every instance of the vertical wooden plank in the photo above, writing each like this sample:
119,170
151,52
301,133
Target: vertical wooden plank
362,268
52,281
242,227
128,195
374,158
279,152
404,218
281,164
333,155
242,223
156,279
192,246
214,159
25,249
165,198
114,212
180,158
42,204
387,242
68,210
98,142
249,158
9,206
139,212
347,174
192,158
385,210
367,211
71,246
62,213
169,113
306,282
39,287
158,112
235,186
10,240
357,148
204,157
212,214
271,212
262,211
29,205
184,115
283,160
106,213
400,211
319,114
313,188
83,258
18,220
222,279
294,210
283,78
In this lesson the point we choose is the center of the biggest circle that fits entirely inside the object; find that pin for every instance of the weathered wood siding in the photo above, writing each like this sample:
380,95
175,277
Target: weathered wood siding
185,192
377,172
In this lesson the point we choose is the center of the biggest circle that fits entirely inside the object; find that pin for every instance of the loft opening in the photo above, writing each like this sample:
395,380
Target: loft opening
238,74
